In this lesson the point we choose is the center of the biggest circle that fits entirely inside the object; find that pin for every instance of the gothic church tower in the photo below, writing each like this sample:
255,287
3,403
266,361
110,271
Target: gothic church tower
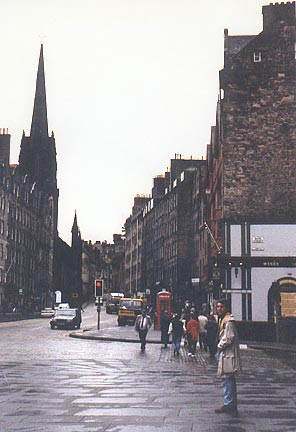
76,248
37,156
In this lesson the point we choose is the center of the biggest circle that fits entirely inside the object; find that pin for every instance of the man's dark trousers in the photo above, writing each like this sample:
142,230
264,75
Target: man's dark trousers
142,336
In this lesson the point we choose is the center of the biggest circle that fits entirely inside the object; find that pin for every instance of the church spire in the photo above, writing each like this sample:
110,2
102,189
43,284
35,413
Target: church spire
38,152
39,126
37,158
75,224
76,236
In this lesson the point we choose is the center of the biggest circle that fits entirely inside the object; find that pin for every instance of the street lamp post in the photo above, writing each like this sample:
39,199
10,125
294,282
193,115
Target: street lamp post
215,274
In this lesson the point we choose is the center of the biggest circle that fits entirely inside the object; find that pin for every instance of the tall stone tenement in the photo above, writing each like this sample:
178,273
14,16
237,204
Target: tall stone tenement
257,123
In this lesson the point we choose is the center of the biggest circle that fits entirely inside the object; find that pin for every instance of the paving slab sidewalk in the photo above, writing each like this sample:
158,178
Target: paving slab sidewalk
128,334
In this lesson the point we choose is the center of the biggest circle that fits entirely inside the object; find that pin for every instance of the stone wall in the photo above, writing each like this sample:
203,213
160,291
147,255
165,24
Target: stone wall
259,126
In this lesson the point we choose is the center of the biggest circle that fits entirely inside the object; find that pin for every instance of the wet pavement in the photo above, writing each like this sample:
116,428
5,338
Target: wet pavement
88,385
127,334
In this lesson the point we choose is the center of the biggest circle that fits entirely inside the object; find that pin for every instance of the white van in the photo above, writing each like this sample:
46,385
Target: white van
62,306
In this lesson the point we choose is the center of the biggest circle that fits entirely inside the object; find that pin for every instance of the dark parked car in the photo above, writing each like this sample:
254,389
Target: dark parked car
66,318
112,302
47,313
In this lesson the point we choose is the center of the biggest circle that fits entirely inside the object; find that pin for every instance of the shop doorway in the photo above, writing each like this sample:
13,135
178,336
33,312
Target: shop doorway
282,308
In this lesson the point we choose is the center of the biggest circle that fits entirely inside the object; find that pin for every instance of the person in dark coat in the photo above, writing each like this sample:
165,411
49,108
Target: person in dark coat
211,339
177,330
142,325
164,328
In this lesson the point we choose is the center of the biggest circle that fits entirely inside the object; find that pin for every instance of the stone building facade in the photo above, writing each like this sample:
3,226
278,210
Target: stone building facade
105,261
171,229
90,266
109,259
258,113
118,263
34,261
29,209
133,228
251,180
200,247
26,238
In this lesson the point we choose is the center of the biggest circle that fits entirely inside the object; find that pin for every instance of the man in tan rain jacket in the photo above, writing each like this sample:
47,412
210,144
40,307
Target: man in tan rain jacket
229,363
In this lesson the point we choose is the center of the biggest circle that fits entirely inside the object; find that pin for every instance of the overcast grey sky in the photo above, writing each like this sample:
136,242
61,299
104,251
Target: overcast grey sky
129,84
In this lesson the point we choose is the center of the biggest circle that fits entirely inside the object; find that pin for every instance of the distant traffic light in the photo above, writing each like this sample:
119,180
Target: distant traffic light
99,288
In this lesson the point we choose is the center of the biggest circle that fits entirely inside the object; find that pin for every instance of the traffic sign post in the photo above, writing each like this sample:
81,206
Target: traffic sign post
99,313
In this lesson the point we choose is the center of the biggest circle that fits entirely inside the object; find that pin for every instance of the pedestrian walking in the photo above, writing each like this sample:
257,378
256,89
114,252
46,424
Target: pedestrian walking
164,328
142,325
211,338
192,329
228,355
202,319
177,330
186,315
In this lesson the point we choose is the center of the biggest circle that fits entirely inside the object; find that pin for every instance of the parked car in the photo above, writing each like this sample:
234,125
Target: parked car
112,302
66,318
62,306
47,313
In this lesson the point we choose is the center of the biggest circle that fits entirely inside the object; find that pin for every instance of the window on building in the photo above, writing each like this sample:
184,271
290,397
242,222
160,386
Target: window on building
257,56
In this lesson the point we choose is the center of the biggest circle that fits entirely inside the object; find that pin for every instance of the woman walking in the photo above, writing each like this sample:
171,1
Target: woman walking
177,330
192,328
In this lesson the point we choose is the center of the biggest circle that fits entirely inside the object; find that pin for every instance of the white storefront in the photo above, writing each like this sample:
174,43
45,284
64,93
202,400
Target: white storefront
258,264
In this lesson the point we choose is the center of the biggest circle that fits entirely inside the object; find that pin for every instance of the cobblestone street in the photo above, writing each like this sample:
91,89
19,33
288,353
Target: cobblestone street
92,385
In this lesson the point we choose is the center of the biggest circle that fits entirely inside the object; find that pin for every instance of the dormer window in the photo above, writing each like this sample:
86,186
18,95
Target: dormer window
257,56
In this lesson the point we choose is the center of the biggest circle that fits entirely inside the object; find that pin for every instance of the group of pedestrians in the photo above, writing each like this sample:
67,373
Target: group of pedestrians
179,328
193,329
216,334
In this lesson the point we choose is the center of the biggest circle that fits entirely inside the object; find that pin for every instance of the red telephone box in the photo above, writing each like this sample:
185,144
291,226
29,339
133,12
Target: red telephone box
163,303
